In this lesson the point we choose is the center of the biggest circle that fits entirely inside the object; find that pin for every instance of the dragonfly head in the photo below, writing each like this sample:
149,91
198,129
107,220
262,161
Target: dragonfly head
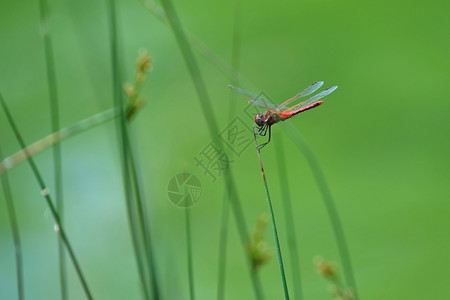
259,119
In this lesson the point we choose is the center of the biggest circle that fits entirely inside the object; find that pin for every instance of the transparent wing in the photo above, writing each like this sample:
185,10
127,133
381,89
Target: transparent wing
313,98
259,100
308,91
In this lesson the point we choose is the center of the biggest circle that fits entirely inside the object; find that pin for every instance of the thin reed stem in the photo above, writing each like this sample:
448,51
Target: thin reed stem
213,130
190,264
274,225
15,233
122,134
143,222
333,214
223,242
57,137
55,125
289,218
235,62
45,193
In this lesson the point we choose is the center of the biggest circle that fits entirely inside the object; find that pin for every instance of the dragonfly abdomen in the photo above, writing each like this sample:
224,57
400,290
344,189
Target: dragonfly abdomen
288,114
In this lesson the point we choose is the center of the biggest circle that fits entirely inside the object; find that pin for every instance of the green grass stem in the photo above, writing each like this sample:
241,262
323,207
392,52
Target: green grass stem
143,222
11,211
55,126
57,137
207,111
223,243
122,134
333,214
289,218
274,225
190,264
48,199
235,62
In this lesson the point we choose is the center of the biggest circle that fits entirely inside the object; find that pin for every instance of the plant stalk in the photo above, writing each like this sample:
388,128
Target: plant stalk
274,225
45,193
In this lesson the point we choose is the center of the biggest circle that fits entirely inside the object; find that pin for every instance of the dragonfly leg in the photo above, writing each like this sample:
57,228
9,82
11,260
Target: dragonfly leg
256,130
260,130
270,135
263,130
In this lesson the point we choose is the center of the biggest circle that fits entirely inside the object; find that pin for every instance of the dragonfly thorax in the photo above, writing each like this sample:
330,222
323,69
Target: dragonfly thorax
268,119
260,119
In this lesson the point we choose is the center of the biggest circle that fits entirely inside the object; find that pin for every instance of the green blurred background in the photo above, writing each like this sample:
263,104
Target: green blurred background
382,140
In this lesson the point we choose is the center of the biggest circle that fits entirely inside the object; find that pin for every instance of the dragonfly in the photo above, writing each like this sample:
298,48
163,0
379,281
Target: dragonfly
276,113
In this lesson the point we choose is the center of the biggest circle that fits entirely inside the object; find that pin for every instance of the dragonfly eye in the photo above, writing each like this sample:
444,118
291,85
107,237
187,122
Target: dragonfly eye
259,119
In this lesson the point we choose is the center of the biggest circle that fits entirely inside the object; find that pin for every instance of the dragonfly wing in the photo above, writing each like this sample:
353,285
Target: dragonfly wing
259,100
243,92
313,99
264,102
308,91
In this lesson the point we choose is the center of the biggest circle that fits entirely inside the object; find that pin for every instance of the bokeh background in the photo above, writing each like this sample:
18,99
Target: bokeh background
382,140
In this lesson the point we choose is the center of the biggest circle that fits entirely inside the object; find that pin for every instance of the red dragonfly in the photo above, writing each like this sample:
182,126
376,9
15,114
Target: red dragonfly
275,114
